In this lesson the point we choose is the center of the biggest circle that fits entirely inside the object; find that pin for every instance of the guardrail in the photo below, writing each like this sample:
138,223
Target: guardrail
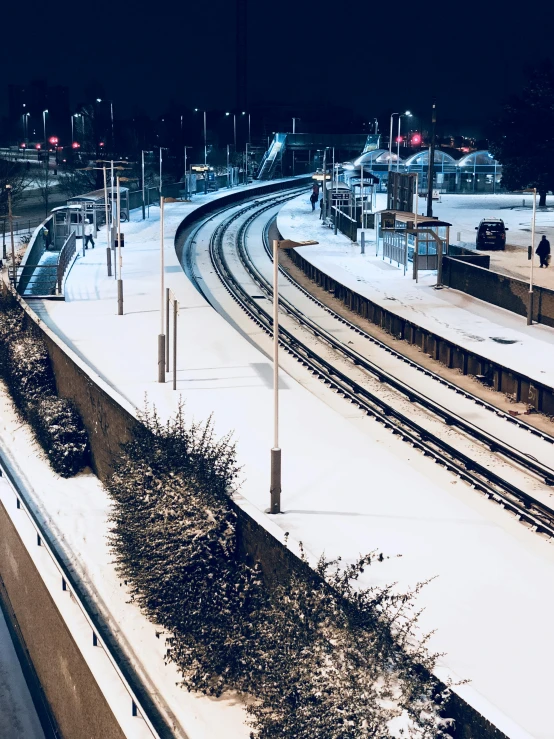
69,585
346,225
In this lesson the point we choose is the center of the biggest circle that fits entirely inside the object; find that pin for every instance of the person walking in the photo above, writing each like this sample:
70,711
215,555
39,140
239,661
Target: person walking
89,231
321,209
543,250
313,199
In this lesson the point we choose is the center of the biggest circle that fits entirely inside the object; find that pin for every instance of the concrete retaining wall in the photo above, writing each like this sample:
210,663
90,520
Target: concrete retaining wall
73,695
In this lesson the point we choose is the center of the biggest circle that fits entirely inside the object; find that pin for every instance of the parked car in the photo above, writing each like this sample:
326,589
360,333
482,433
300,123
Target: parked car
491,234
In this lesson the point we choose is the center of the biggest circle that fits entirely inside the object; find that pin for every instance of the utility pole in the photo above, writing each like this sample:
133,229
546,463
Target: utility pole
10,217
431,162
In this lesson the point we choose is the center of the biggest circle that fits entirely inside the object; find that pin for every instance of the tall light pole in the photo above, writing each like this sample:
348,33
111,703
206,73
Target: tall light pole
234,129
376,125
75,115
407,114
10,218
161,335
390,141
99,100
275,480
44,113
293,156
143,185
196,110
161,182
431,163
530,299
244,113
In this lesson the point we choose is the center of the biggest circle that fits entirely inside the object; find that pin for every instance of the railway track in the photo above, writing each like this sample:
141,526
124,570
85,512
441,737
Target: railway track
525,506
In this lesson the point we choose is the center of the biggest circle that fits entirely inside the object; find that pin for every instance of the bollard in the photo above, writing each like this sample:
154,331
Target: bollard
362,242
459,236
109,260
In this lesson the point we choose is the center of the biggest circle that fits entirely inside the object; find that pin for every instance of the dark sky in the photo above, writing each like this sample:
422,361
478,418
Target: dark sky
369,56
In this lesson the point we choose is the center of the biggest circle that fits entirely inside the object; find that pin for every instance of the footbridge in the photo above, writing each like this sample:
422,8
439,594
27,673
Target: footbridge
344,144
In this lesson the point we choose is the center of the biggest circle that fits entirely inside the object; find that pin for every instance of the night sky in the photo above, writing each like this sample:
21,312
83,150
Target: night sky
469,54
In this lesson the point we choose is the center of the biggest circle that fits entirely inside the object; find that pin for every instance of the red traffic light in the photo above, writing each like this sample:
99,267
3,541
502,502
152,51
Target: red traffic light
37,146
75,145
416,139
399,139
101,143
22,145
53,139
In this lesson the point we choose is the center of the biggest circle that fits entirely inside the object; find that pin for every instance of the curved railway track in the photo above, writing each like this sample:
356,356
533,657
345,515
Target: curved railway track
534,512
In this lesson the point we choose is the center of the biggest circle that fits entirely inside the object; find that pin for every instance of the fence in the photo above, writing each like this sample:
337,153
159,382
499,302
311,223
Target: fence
21,226
346,225
492,287
34,253
67,253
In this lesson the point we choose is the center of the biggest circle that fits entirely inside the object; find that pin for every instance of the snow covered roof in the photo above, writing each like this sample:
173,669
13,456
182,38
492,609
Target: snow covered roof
478,158
422,158
378,156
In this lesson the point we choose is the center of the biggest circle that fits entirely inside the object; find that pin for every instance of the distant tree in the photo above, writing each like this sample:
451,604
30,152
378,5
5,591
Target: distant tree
523,135
14,174
44,182
75,180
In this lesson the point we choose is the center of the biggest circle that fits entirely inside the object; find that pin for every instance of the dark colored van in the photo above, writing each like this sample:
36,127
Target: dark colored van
491,234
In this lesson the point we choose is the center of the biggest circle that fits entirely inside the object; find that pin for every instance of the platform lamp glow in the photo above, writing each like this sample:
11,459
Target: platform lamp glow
275,484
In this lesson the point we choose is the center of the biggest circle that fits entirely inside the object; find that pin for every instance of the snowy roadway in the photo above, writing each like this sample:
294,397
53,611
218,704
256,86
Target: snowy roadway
344,491
18,718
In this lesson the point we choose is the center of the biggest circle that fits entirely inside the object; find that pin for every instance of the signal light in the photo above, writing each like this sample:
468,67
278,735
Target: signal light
75,145
22,145
416,139
37,146
101,143
53,139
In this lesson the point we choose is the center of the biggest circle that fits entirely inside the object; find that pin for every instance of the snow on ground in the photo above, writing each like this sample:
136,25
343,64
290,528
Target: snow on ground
344,493
76,512
466,211
457,317
18,718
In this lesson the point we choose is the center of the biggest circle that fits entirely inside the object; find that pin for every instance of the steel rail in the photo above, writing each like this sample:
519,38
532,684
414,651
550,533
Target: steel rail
523,505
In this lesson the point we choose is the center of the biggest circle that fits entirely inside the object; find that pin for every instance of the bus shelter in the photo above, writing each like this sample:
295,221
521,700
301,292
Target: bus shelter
411,237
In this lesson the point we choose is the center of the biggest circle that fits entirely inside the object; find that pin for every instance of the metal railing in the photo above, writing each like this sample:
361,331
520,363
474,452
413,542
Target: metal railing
345,224
67,253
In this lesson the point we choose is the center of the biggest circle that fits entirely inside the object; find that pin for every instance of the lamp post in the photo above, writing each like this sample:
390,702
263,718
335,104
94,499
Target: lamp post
99,100
275,480
44,112
75,115
10,218
196,110
234,129
530,299
161,335
245,113
119,254
186,181
293,156
407,114
376,125
143,184
390,141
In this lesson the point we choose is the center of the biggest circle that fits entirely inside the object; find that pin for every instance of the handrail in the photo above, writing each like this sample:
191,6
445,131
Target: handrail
67,252
69,585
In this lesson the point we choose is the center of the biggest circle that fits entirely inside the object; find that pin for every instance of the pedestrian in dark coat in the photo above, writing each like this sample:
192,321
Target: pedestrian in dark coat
313,199
543,250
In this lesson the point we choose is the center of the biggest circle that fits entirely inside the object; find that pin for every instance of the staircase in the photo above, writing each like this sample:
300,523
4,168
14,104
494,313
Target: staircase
273,157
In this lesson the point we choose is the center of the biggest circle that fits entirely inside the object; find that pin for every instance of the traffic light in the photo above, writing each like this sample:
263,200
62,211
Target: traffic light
416,139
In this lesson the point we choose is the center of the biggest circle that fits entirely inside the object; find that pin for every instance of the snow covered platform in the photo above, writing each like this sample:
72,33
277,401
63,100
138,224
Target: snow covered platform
493,333
347,488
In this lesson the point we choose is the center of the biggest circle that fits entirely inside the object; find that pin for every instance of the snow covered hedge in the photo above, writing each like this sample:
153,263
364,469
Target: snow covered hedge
25,368
318,657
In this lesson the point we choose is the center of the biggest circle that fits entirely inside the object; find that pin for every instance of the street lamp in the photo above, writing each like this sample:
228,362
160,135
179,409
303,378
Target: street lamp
25,123
407,114
532,255
234,129
205,145
294,131
44,112
244,113
275,483
99,100
75,115
143,187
